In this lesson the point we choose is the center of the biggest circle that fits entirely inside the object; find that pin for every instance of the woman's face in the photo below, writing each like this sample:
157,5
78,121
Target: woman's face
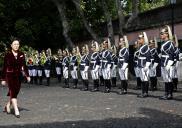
15,45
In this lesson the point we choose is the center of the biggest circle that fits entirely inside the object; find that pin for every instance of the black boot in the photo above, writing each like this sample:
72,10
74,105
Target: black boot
107,86
166,92
59,78
40,80
138,83
121,88
170,94
101,81
152,83
155,83
75,82
96,86
85,83
66,83
143,90
146,88
48,81
113,81
35,79
31,81
175,83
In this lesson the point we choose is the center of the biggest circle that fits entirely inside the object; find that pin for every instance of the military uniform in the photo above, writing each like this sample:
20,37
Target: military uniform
136,69
144,61
65,65
114,69
175,68
94,66
123,68
152,69
84,66
47,69
42,60
106,67
30,69
58,66
73,69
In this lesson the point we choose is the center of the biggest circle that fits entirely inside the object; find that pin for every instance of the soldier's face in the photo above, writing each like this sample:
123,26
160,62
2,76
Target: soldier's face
83,50
93,48
105,44
163,36
73,51
64,53
15,45
121,42
140,41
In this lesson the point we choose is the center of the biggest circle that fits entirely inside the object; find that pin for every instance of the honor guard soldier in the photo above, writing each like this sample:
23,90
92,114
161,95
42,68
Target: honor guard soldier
136,68
65,65
84,66
175,64
42,60
144,61
154,64
101,83
35,66
47,66
114,65
106,65
123,58
74,66
167,60
94,65
58,64
30,68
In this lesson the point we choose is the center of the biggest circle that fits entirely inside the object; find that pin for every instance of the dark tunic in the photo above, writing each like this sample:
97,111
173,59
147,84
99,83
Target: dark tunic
12,71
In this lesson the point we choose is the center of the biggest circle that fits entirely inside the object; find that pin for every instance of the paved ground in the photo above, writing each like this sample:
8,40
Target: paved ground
57,107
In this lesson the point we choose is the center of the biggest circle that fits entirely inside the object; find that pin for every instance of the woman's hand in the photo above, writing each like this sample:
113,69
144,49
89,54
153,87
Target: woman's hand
3,83
28,79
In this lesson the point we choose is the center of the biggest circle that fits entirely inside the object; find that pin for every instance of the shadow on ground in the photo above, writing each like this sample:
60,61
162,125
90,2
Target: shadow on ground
150,119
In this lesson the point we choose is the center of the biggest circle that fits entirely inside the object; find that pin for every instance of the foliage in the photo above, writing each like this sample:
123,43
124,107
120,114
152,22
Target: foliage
37,22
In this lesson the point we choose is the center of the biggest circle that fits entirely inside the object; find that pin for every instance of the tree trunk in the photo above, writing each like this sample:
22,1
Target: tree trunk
86,24
109,21
61,8
119,7
135,11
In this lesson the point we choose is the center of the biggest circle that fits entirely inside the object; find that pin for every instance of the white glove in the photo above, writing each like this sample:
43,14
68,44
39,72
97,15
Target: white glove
146,68
114,66
124,66
75,68
66,68
170,63
177,64
97,68
155,65
108,66
86,68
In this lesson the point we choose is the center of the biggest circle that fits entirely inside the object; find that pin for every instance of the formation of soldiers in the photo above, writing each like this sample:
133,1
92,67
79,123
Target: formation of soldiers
103,61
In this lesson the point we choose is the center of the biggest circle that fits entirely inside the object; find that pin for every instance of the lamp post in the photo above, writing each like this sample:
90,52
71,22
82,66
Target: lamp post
172,3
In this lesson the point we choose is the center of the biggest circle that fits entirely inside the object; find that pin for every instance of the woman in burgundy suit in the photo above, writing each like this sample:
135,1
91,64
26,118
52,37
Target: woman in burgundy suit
14,65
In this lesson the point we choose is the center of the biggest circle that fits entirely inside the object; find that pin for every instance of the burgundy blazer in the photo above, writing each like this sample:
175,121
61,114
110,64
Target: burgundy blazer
14,67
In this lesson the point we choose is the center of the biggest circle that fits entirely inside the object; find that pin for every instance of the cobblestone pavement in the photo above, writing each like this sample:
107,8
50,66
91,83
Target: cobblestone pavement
57,107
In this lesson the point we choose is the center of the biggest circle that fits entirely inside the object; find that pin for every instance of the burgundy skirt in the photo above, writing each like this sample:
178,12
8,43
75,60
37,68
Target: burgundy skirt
14,85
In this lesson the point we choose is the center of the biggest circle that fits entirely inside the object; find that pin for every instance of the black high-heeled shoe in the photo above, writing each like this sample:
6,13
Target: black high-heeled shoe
17,116
6,110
